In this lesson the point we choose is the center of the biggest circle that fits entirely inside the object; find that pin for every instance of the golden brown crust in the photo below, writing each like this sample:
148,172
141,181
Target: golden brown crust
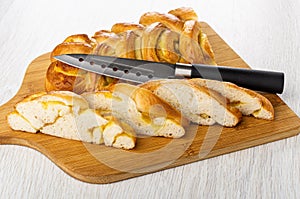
266,104
168,20
149,40
107,43
188,43
102,35
204,43
151,85
138,48
59,81
125,48
79,38
33,96
61,76
123,27
71,47
146,103
156,38
167,47
184,13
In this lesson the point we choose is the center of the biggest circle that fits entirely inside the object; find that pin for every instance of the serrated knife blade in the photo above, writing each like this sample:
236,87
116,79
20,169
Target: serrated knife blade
140,71
137,71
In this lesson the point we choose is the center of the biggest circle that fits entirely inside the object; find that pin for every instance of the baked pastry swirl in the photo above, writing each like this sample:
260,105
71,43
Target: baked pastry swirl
172,37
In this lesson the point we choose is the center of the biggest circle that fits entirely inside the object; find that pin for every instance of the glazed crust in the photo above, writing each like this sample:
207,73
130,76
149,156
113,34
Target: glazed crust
146,100
71,47
171,37
184,13
123,27
170,21
61,77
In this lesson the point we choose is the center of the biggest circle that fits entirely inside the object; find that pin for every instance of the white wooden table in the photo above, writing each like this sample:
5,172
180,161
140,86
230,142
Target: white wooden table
264,33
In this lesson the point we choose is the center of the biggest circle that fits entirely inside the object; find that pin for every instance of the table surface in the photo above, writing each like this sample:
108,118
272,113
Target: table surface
264,33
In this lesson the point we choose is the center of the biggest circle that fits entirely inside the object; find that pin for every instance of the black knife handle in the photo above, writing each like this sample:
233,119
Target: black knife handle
267,81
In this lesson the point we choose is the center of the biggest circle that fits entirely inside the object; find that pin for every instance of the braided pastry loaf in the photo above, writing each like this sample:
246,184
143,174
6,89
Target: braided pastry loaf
172,37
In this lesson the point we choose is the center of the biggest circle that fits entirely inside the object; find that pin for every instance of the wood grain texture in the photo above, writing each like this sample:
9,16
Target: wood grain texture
264,33
100,164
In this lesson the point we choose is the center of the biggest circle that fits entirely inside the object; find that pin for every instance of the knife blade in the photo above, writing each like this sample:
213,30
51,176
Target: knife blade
140,71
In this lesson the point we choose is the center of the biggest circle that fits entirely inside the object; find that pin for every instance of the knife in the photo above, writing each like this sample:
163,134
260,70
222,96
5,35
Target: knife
140,71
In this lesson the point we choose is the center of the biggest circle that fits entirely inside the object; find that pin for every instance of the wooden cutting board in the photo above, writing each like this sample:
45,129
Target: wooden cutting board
99,164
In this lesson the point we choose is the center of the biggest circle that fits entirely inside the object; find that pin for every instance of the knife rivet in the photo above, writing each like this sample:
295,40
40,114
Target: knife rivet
138,74
103,66
115,68
92,63
150,76
81,59
126,71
